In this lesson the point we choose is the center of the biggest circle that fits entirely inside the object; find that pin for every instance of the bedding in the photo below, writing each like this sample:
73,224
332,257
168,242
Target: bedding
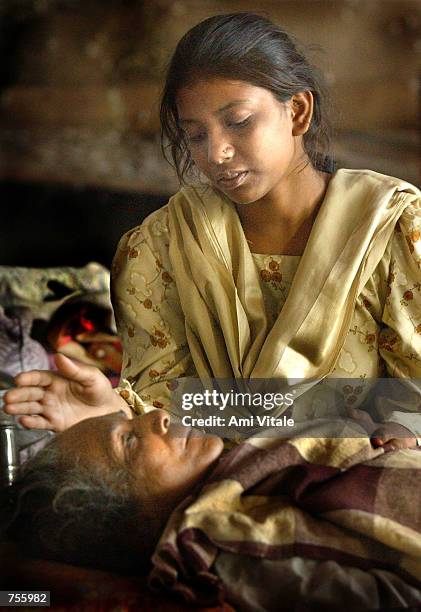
321,519
77,589
45,310
44,289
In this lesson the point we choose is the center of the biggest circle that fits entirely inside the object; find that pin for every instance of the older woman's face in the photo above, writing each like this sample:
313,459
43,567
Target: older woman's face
165,459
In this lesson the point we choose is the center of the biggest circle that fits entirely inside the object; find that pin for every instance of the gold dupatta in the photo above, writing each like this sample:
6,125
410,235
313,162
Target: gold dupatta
219,288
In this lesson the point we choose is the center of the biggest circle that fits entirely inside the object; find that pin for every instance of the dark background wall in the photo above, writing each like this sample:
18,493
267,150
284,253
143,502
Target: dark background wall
52,224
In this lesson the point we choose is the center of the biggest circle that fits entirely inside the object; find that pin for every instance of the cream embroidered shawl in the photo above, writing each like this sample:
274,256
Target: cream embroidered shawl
219,289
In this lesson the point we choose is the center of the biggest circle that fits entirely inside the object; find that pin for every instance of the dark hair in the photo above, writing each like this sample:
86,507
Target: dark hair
247,47
71,514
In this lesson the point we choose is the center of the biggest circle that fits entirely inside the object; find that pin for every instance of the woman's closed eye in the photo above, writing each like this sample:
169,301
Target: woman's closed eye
129,438
122,440
129,441
240,123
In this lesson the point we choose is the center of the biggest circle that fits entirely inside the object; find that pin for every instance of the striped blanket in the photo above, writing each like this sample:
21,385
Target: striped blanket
321,519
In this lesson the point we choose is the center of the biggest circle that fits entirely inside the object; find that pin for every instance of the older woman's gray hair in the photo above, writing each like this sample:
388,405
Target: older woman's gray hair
71,514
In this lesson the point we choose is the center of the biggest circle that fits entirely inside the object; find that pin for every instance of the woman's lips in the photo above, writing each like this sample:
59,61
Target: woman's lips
184,433
232,178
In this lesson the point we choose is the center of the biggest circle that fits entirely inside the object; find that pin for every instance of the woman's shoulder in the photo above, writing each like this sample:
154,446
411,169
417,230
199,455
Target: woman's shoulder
152,231
374,180
156,224
144,243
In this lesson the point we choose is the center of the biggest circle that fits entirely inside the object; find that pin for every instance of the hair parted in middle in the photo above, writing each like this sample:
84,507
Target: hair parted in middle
245,47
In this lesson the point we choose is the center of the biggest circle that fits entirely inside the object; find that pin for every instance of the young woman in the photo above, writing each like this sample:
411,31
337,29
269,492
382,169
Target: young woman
270,265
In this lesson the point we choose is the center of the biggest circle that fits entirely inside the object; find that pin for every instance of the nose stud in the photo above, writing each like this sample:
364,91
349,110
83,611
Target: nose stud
227,153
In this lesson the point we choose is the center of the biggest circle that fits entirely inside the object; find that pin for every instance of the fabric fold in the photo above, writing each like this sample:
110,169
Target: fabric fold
219,286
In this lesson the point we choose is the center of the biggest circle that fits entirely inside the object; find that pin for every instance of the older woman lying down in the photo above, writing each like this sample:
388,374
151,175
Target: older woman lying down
321,519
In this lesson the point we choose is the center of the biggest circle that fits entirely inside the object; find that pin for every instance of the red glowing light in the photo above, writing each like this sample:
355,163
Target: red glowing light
87,324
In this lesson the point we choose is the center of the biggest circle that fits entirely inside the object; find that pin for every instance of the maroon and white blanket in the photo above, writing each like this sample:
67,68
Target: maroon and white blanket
320,520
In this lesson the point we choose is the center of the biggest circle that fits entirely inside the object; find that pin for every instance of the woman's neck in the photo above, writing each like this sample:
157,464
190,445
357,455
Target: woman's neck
282,223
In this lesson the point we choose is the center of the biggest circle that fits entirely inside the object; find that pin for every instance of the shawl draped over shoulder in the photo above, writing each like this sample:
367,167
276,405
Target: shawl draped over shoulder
188,298
219,288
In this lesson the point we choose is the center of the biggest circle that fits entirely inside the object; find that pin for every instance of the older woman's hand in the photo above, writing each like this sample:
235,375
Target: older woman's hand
393,436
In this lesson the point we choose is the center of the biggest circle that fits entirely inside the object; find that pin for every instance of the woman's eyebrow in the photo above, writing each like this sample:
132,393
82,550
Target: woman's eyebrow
233,103
220,110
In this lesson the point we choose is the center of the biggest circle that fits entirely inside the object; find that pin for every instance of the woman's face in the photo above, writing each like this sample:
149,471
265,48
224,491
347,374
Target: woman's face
165,459
243,139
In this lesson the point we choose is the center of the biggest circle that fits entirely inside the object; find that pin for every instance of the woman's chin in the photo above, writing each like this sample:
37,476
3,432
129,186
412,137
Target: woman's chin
245,199
241,197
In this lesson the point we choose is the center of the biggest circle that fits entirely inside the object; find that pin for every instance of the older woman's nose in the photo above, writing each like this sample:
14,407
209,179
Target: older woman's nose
160,421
